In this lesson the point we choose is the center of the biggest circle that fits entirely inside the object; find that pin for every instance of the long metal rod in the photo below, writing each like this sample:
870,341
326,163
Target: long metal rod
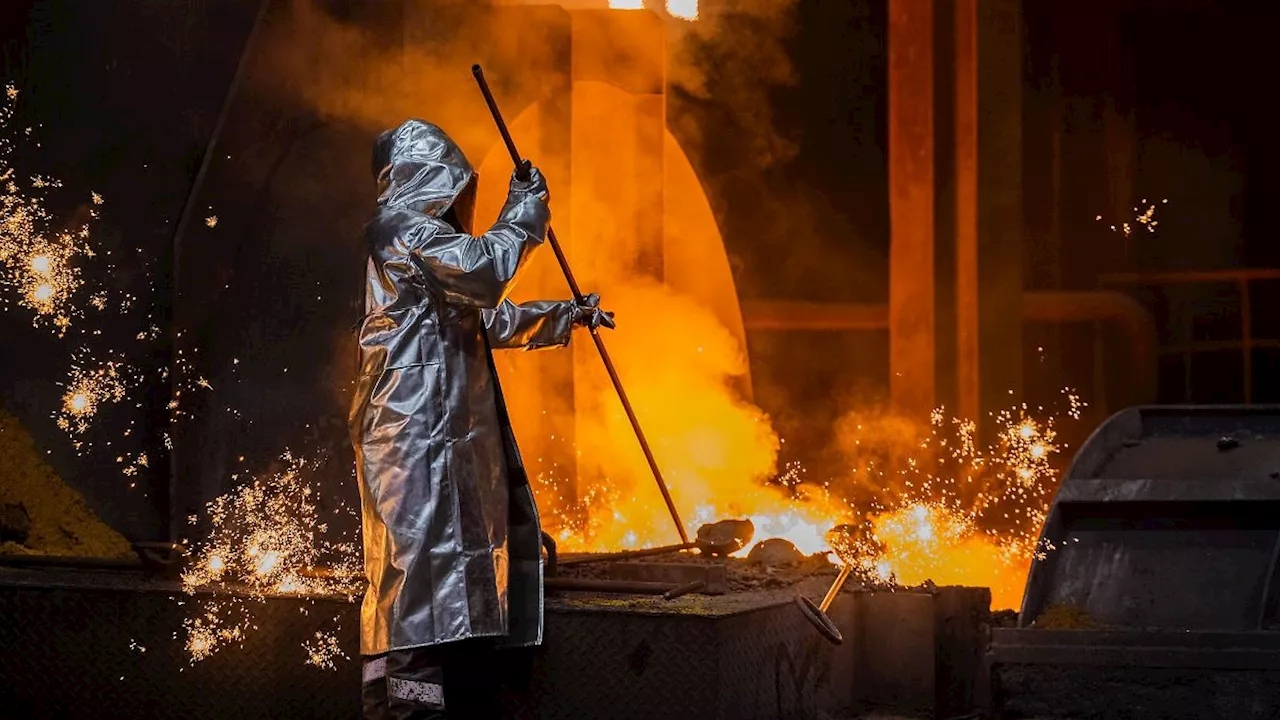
685,589
610,586
835,587
577,295
623,555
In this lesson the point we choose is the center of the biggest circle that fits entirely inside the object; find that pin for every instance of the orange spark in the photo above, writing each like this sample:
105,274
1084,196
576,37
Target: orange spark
266,536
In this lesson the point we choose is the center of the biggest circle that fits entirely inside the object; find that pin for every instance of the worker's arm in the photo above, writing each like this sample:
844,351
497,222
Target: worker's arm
543,323
479,271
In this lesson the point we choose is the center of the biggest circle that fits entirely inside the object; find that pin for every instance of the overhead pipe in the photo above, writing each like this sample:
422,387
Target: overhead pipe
1067,306
1059,306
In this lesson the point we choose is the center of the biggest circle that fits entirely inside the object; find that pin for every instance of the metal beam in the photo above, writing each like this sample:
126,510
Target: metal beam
912,346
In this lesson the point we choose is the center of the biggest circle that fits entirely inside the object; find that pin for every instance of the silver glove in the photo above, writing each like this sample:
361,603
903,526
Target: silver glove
587,312
535,184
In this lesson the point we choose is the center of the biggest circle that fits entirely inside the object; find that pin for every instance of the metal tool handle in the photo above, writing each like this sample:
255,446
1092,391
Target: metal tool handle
522,164
835,587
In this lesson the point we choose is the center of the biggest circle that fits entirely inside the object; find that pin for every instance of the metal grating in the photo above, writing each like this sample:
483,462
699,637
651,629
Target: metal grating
71,647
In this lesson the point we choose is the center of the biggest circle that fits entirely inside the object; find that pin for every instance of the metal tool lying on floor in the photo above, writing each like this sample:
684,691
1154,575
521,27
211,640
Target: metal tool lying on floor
718,539
671,580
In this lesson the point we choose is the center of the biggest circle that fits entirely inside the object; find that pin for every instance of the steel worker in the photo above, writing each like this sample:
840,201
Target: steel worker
452,541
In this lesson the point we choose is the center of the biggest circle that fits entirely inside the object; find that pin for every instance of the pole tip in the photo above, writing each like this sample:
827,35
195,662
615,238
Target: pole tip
475,69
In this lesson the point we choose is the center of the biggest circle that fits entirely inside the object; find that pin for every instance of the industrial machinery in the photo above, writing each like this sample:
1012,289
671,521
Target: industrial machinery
1154,592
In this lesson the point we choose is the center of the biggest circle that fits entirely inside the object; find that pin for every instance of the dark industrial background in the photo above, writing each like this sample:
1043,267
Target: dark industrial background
1120,101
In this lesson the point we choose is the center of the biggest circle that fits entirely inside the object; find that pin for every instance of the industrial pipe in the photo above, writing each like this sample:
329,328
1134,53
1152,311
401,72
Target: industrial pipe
1065,306
1038,306
787,315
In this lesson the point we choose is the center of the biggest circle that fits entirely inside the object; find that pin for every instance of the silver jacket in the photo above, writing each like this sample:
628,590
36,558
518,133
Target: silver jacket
452,542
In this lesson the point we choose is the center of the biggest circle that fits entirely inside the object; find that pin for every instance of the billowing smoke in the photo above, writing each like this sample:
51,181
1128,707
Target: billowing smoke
682,358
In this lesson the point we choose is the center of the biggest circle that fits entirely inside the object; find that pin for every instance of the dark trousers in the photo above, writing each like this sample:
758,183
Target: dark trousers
454,680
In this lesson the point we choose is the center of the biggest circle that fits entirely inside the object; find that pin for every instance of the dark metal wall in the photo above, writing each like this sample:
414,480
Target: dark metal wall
267,298
254,310
121,97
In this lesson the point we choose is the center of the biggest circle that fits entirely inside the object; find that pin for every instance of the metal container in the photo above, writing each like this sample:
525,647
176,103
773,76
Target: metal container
1155,593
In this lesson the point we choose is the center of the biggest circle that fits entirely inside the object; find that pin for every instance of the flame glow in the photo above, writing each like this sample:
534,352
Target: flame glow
950,511
683,9
953,512
717,452
684,371
947,512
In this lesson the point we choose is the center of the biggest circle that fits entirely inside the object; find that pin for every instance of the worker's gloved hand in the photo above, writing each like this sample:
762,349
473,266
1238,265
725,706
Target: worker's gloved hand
587,312
533,184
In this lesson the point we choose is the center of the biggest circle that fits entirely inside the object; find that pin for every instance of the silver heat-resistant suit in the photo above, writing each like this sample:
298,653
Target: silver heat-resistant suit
452,541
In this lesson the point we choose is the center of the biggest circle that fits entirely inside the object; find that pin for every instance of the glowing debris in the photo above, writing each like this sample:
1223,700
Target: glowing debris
943,507
89,387
951,511
1144,217
322,651
266,539
39,265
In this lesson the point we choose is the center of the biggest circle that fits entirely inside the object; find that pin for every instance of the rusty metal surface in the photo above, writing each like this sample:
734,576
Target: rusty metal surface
739,655
587,558
1134,693
896,674
1118,648
677,573
608,586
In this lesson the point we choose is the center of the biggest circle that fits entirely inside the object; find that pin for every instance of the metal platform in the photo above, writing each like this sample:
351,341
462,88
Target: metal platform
1163,544
1083,674
72,645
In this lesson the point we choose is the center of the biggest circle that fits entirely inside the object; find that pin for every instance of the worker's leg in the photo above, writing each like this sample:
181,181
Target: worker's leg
373,688
473,679
415,685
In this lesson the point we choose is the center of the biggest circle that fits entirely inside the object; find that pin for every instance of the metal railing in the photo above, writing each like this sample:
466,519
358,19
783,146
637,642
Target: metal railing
1246,343
1055,307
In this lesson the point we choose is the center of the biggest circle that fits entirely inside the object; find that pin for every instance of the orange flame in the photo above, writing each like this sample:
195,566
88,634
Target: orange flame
930,542
683,9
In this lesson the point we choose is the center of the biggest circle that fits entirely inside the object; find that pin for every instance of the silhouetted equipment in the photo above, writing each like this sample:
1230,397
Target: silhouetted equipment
1158,563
